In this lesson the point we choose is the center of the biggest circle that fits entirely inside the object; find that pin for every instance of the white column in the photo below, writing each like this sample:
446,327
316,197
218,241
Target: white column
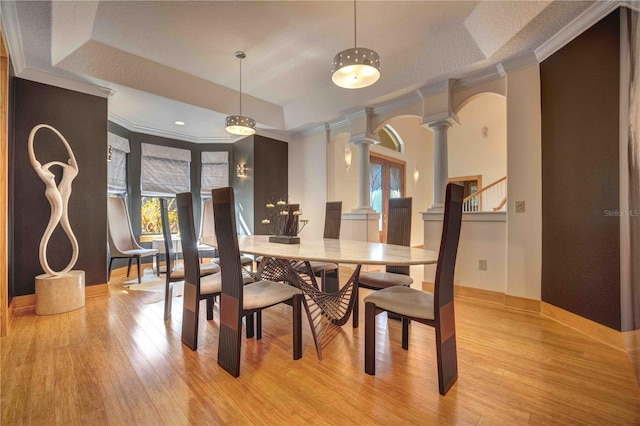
440,164
365,175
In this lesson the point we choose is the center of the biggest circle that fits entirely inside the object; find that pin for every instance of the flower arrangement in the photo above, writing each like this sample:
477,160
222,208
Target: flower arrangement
284,219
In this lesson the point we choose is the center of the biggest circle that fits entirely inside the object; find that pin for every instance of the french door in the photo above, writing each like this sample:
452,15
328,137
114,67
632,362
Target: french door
387,181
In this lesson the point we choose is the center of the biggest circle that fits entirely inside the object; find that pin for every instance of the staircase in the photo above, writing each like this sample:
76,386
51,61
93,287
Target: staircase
491,198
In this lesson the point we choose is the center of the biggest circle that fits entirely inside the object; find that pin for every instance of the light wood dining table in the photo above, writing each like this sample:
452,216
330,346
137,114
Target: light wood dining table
325,308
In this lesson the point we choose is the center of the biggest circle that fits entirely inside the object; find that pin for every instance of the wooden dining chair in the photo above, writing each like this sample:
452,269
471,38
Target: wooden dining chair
238,301
173,273
433,309
325,270
398,233
207,228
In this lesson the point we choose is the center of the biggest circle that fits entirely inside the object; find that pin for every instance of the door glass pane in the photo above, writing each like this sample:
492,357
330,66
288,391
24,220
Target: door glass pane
376,187
395,182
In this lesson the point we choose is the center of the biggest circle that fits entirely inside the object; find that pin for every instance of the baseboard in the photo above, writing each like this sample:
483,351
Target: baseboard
592,329
96,290
29,300
479,294
632,340
121,272
521,303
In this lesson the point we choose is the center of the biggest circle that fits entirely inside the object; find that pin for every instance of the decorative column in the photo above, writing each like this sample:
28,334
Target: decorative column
365,175
440,164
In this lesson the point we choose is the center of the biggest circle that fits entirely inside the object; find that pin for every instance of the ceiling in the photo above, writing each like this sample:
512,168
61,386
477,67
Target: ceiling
166,61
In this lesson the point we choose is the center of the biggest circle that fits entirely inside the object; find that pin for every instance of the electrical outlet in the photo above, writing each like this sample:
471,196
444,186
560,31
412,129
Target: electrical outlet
519,206
482,264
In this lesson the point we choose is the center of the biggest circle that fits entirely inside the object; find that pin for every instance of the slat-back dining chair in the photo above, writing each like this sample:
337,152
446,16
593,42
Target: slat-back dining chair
173,273
435,310
207,228
398,233
121,241
238,301
328,272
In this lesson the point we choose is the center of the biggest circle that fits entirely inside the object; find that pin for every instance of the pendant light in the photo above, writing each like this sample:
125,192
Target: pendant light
356,67
239,124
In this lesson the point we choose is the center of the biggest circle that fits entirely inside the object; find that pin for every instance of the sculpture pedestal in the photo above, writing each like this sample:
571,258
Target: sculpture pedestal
56,294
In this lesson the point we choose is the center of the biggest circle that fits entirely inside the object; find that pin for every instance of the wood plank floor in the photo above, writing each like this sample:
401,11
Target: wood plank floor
117,362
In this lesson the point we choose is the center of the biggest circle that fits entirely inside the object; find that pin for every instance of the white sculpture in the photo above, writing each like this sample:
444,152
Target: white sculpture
58,197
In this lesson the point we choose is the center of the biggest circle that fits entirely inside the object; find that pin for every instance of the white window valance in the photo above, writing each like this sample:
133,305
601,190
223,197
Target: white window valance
117,167
166,152
164,171
215,171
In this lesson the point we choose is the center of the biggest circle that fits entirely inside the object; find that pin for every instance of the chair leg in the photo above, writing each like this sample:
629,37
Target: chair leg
370,338
297,326
129,267
210,308
168,299
405,332
138,263
249,326
356,306
110,263
258,325
446,351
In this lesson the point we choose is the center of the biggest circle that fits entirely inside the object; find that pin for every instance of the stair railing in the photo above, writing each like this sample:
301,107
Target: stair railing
492,197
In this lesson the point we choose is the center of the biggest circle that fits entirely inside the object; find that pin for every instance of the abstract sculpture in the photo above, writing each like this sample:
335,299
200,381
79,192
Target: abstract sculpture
58,197
61,291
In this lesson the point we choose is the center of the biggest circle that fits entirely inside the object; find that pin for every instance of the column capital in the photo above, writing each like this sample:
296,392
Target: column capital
363,139
447,119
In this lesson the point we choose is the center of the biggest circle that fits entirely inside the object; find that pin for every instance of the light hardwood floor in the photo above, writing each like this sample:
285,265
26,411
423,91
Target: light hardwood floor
116,362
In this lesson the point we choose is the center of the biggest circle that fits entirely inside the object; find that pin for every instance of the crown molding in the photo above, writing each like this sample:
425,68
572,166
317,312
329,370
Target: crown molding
515,64
632,4
167,134
435,88
581,23
12,33
39,76
484,76
398,103
273,134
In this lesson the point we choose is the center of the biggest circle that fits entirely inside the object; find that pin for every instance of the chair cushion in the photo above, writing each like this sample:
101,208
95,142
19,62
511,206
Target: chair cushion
244,260
205,269
404,301
266,293
213,283
316,267
140,252
378,280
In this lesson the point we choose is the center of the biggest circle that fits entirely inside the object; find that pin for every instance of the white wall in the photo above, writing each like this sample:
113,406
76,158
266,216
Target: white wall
342,184
471,155
524,167
308,180
482,236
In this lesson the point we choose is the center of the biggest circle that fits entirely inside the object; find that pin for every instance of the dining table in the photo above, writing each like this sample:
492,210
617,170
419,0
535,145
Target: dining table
325,307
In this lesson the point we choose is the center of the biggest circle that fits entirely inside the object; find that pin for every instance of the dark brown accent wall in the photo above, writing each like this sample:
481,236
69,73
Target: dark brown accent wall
580,181
267,178
82,120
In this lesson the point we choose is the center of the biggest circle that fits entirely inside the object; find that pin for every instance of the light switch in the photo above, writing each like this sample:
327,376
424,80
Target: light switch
519,206
482,264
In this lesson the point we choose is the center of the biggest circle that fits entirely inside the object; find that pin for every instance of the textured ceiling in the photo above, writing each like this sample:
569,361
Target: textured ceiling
170,61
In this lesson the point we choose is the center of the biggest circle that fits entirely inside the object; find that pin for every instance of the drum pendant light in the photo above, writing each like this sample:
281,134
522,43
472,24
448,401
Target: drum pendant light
239,124
356,67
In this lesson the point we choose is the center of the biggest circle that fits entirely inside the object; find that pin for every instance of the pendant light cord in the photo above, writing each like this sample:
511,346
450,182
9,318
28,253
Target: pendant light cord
355,37
240,86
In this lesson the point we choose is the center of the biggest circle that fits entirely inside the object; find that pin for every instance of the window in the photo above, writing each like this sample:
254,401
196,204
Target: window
164,172
118,148
215,172
151,221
